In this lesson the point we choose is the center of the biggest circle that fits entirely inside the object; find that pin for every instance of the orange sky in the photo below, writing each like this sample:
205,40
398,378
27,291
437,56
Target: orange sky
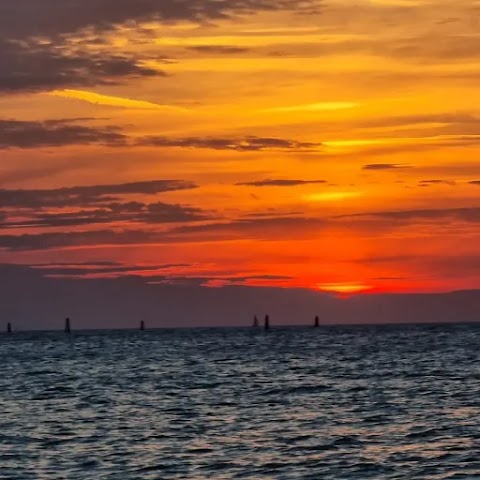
333,146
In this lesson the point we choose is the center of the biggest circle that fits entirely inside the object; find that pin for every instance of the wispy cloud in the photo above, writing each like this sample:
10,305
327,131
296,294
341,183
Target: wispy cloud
219,49
469,214
56,133
35,66
385,166
111,101
242,144
129,212
88,195
437,181
280,183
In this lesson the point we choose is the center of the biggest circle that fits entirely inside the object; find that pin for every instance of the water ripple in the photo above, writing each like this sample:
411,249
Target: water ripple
360,403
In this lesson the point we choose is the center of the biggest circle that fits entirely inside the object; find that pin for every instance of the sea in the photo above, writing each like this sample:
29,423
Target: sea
345,402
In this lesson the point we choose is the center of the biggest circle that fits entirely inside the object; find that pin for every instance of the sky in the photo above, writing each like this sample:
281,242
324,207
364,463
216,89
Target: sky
327,146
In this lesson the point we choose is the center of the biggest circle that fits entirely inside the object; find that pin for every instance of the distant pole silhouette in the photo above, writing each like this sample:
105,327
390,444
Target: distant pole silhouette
255,321
267,322
9,327
142,325
317,322
67,326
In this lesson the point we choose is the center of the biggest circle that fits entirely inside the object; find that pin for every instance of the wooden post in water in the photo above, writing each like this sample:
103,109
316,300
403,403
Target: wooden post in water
267,322
9,328
255,321
317,322
142,325
67,326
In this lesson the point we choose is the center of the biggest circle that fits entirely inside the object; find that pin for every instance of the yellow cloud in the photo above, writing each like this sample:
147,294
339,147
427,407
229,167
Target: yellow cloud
355,143
110,101
331,196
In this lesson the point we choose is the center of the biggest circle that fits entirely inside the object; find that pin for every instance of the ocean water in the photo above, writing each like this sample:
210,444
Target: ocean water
337,403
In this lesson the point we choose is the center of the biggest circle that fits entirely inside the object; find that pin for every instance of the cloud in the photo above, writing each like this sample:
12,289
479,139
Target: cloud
384,166
471,214
219,49
87,195
413,144
429,183
53,44
434,48
63,132
442,118
332,196
427,125
274,227
24,134
221,281
45,241
280,183
244,144
85,265
101,269
166,274
34,66
133,212
475,182
261,228
50,18
108,100
94,205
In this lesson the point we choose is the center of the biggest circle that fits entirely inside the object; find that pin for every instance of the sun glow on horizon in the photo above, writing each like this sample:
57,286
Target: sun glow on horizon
344,288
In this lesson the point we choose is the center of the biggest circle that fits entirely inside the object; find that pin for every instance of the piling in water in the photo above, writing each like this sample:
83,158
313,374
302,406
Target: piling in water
267,322
67,326
142,325
9,327
255,321
317,322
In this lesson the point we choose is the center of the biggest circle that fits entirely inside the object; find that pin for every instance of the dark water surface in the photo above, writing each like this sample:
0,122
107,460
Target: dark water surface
293,403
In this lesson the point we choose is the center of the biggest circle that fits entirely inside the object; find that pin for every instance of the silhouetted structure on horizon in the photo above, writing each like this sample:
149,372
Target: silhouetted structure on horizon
142,325
9,327
255,321
317,322
267,322
67,326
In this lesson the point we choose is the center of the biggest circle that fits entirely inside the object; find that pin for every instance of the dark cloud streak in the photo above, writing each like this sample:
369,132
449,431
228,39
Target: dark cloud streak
219,49
469,214
33,66
46,44
52,18
280,183
24,134
244,144
385,166
87,195
133,212
429,183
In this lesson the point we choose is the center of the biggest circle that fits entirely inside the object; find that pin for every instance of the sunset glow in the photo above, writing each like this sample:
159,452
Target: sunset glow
286,144
344,288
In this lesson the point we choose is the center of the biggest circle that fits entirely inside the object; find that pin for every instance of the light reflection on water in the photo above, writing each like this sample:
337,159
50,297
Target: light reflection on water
329,403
